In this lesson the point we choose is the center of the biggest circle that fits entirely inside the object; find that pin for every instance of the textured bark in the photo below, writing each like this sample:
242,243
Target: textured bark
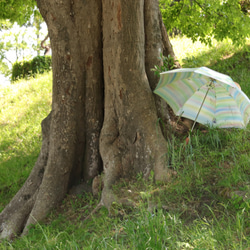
101,48
154,46
76,117
130,141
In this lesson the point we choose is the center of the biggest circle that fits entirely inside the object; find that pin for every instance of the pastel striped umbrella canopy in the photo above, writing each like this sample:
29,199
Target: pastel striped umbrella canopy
215,97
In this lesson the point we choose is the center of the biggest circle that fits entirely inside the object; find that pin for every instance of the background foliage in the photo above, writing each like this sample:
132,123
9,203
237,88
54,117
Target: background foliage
20,33
17,10
203,20
37,65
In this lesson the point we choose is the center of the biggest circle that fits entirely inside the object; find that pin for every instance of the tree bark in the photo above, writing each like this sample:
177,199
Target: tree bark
130,141
103,52
77,111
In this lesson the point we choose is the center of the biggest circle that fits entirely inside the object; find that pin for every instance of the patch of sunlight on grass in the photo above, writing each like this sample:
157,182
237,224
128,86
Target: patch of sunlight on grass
198,54
184,47
23,105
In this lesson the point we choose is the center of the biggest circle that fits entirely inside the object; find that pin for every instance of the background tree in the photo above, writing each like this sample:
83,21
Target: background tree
4,68
46,47
20,42
15,45
203,20
17,11
12,47
37,21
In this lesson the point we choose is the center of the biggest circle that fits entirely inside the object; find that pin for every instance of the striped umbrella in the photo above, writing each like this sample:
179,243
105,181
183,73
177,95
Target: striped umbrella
205,96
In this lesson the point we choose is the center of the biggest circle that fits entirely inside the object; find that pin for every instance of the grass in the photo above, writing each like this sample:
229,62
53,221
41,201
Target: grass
23,106
206,205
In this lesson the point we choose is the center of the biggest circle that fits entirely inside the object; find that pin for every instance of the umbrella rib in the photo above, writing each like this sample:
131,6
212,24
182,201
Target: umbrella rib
210,85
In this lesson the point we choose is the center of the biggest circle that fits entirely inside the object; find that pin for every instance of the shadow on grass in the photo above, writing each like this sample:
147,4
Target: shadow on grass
16,171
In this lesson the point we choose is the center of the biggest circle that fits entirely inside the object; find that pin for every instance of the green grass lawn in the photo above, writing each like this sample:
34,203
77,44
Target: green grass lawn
23,105
205,206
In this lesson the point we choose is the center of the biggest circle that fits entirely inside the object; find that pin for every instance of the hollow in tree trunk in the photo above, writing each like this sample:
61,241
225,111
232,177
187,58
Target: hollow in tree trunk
104,114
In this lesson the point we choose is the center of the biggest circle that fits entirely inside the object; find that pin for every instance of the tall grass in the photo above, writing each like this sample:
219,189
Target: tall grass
206,205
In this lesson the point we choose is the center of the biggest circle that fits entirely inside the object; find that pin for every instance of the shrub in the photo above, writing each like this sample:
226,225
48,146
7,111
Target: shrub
37,65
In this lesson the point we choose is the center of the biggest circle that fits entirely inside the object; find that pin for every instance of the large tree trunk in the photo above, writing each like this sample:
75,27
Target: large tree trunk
130,141
102,49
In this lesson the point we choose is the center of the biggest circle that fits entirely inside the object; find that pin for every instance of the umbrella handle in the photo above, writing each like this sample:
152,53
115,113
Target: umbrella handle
200,108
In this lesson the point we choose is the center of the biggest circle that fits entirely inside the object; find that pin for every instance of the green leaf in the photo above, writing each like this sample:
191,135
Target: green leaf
203,20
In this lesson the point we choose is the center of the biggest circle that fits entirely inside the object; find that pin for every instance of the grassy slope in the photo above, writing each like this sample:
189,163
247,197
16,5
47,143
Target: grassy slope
193,211
23,106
